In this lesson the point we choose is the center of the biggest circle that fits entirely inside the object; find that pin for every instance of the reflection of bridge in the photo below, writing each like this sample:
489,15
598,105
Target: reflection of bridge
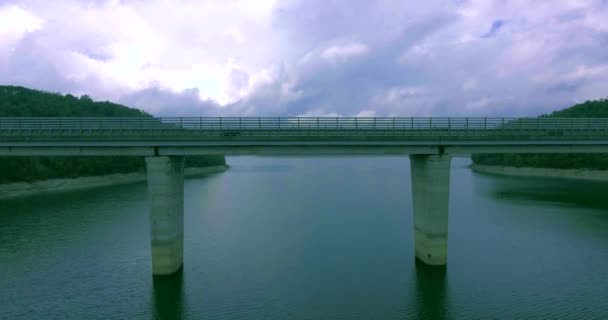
430,142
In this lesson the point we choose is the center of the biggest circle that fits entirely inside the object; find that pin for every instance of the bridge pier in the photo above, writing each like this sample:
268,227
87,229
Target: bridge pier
166,207
430,195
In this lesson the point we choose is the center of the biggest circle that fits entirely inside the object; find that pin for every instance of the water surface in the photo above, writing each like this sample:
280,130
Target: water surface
311,238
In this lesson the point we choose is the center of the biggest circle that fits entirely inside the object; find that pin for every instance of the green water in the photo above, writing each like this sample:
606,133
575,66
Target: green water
312,238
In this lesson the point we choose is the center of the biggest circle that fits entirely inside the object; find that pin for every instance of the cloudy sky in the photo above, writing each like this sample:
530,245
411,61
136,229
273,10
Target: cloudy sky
312,57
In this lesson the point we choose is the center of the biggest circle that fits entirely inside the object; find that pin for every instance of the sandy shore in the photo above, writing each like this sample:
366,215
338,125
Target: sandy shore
581,174
20,189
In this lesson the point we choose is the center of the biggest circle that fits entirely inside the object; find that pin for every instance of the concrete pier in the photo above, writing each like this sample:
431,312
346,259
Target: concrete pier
431,195
166,205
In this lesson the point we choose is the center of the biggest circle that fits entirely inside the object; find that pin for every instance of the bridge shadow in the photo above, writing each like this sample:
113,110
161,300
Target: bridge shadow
168,296
430,292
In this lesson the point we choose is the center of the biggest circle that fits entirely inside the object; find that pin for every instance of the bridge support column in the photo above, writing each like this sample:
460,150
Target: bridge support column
431,195
166,205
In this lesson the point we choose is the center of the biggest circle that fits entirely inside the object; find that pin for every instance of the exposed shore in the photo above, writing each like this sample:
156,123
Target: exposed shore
20,189
580,174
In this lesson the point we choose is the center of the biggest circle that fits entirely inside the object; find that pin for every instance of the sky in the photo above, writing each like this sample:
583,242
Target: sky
311,57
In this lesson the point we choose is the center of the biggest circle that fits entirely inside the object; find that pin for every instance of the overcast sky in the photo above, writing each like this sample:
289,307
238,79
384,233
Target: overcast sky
312,57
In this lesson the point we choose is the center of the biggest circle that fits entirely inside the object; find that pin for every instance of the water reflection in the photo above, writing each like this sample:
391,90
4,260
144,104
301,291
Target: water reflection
562,192
430,291
244,231
168,296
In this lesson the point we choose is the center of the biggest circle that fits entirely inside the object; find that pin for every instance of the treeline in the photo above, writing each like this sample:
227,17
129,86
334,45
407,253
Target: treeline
23,102
18,169
556,161
588,109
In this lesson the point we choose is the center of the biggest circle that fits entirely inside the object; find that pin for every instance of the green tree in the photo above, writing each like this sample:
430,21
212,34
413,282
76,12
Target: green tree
588,109
24,102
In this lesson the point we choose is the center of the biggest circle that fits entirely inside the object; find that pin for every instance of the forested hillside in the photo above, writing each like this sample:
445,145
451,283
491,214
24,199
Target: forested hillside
23,102
589,109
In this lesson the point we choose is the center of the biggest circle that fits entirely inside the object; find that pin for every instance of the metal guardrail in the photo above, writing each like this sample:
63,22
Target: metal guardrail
307,126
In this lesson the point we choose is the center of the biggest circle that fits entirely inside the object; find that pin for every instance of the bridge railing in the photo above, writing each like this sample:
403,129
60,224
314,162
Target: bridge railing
308,127
299,123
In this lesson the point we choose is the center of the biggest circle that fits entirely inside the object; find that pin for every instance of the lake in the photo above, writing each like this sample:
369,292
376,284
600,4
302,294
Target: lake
312,238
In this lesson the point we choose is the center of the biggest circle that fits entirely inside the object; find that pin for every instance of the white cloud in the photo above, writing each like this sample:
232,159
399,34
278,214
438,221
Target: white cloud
478,104
585,72
319,113
178,44
313,57
16,20
344,51
14,23
366,113
397,94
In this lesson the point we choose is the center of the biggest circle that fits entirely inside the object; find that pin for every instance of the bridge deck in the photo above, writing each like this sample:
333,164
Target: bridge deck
301,129
299,136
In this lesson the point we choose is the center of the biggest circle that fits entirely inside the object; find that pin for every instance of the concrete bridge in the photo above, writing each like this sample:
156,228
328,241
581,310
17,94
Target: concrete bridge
429,142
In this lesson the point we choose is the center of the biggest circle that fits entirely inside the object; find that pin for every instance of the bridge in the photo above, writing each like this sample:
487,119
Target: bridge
429,142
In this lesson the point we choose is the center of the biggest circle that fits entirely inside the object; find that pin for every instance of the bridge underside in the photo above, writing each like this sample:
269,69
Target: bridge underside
328,148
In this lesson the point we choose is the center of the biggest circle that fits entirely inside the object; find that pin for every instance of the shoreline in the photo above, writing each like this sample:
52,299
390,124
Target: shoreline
22,189
577,174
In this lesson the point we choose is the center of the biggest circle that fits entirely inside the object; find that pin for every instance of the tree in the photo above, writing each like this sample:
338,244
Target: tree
588,109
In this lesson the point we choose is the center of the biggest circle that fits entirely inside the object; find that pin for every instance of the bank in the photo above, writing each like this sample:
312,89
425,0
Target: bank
22,189
579,174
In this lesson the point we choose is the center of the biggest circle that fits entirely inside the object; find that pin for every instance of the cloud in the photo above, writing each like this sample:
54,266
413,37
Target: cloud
478,104
164,102
135,44
313,57
344,51
496,25
15,22
366,113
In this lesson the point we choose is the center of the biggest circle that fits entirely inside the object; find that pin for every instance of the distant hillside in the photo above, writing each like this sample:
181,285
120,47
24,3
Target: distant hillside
24,102
588,109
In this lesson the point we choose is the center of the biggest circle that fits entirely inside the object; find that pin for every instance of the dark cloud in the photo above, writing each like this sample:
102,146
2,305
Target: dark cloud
347,85
496,25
